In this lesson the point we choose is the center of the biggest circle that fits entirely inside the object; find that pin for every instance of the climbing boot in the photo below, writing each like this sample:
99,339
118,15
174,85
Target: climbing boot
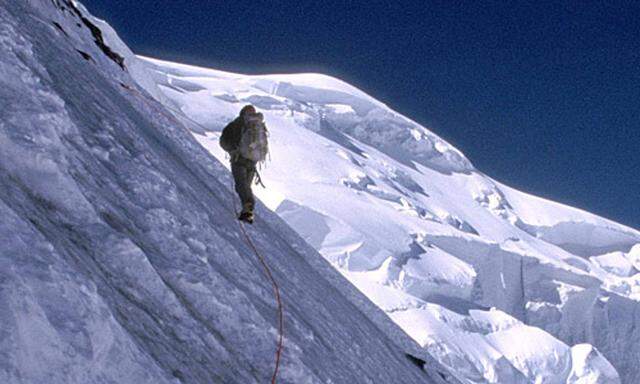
247,213
247,217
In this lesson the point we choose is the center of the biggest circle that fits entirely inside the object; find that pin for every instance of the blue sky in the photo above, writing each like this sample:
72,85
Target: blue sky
543,96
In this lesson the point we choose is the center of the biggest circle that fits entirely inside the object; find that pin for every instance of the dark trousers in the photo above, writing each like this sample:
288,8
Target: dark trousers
244,171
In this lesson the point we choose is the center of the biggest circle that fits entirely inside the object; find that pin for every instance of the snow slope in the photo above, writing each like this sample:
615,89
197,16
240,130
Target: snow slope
120,258
499,285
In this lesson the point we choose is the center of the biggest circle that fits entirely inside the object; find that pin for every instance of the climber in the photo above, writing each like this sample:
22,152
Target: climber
245,139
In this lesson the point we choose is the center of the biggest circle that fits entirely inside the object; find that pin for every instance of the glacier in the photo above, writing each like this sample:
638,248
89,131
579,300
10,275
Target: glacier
500,286
121,260
120,252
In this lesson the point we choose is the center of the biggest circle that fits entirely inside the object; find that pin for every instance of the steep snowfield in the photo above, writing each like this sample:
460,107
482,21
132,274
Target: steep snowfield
499,285
120,257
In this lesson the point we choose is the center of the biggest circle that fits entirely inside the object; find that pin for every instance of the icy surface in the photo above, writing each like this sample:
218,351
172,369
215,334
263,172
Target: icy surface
499,285
121,260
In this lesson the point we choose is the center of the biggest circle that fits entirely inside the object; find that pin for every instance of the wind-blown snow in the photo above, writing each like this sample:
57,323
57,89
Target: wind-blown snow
499,285
121,260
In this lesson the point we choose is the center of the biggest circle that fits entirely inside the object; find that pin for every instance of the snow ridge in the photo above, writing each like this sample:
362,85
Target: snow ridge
498,285
121,260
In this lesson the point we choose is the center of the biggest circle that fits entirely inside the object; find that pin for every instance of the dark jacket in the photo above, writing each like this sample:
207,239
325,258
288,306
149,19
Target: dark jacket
231,134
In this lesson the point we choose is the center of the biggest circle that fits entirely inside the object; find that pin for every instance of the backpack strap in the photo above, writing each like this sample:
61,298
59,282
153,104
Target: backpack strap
259,180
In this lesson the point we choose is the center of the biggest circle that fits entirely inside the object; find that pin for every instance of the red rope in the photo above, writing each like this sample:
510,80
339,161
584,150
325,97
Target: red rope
276,290
261,258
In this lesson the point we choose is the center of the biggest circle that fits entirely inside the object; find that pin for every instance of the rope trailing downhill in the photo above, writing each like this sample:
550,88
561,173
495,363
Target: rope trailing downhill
261,258
276,291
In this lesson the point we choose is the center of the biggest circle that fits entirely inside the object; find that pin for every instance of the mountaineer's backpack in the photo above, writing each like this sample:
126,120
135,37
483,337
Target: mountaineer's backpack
254,144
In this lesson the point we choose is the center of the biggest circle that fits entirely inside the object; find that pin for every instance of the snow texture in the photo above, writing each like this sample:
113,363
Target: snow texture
120,251
500,286
121,260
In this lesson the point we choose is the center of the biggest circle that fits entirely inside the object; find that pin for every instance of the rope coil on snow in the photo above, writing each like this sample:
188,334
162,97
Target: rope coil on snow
267,270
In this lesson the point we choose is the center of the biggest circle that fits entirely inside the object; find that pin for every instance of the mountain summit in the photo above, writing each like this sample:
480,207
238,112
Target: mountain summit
121,259
498,285
397,260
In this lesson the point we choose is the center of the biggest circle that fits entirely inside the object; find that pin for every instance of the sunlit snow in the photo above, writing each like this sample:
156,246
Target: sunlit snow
432,241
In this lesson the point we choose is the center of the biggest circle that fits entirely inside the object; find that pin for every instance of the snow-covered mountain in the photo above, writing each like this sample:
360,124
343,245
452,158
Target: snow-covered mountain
120,257
499,285
121,260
